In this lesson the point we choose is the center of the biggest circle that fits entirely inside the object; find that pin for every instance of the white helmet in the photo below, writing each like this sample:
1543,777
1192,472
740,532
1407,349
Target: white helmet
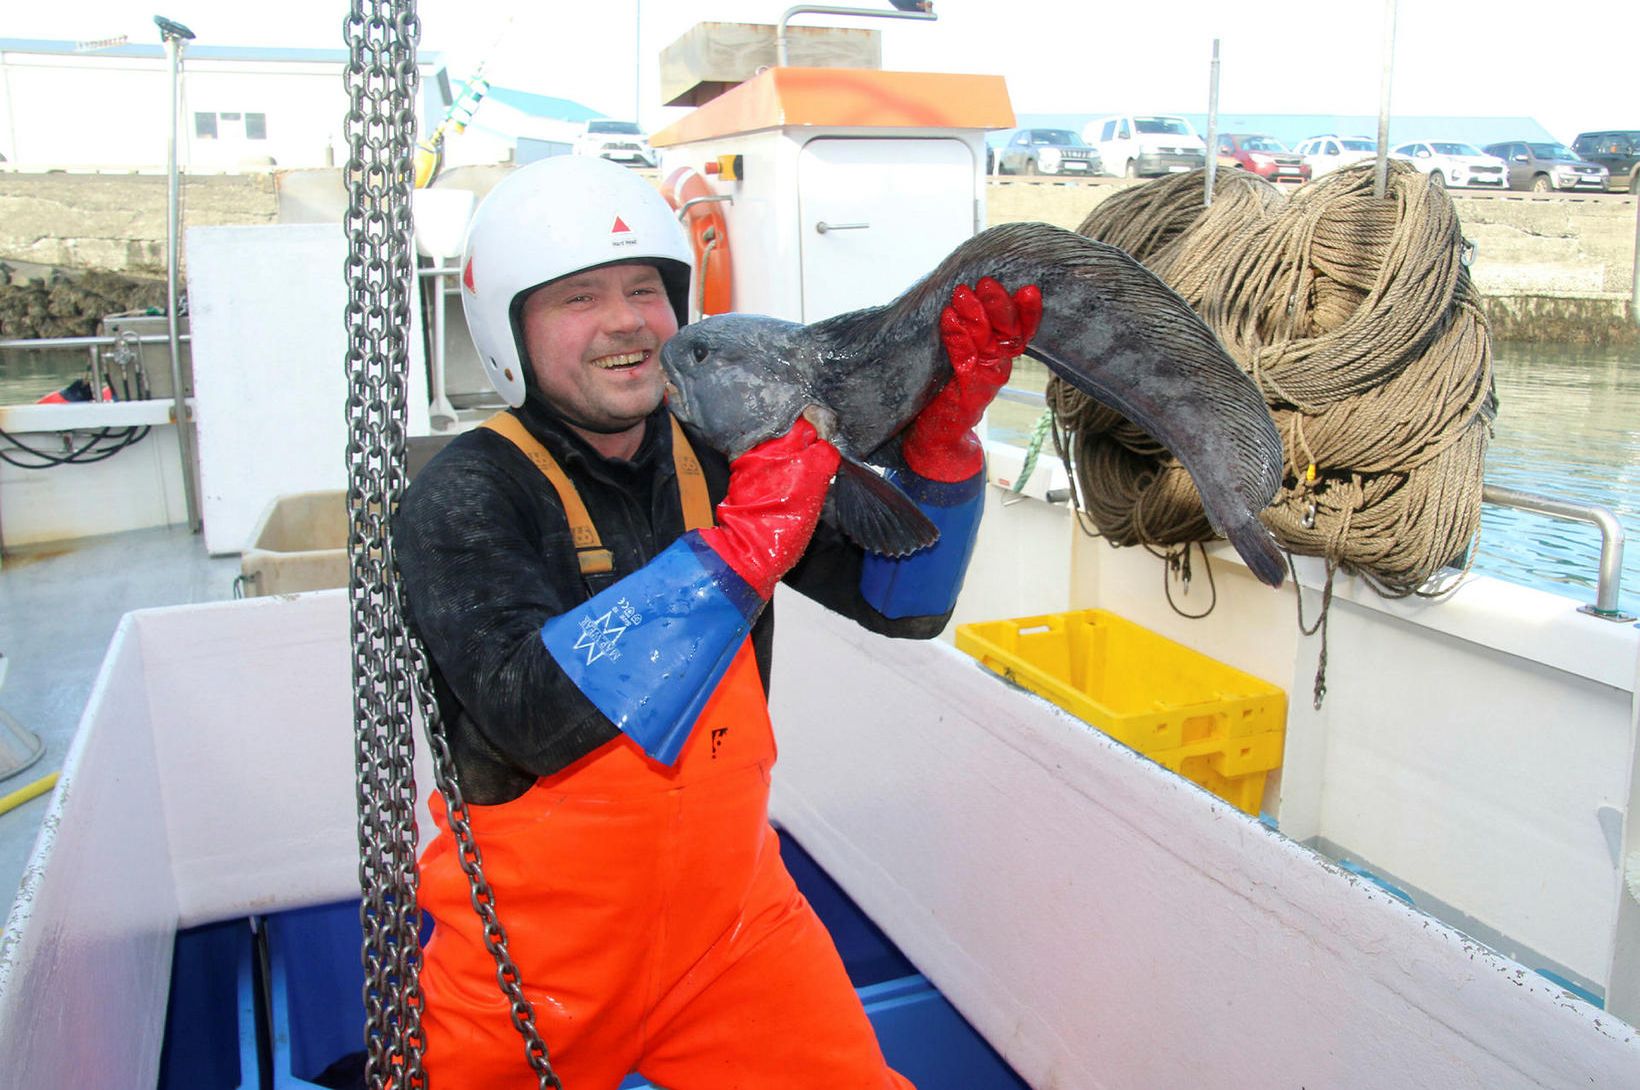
551,218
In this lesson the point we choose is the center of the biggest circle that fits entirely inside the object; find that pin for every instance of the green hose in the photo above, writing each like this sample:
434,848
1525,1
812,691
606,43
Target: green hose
1033,448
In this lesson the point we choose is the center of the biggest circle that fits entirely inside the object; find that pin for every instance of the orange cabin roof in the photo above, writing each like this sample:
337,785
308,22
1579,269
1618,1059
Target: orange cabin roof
849,98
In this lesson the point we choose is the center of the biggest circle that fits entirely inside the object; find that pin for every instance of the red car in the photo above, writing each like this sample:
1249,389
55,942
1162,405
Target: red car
1263,155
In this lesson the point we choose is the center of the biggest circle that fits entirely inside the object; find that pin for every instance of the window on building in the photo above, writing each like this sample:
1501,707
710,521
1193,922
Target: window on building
230,126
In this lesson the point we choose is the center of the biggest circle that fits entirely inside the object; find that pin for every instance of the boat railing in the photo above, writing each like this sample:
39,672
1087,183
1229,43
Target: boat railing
92,344
1609,587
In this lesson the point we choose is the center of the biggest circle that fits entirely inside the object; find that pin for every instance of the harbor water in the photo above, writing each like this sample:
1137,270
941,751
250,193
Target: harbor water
1568,428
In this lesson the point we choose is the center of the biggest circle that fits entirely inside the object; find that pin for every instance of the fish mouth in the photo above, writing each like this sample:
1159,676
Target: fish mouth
675,399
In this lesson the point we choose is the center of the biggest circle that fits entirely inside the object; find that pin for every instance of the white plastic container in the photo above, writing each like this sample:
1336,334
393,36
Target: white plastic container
300,544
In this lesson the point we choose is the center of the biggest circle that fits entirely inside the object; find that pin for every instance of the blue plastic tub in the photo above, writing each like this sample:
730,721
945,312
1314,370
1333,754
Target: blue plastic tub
315,987
867,953
211,1016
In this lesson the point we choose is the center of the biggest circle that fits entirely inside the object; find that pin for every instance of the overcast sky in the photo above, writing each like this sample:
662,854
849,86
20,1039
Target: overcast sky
1567,66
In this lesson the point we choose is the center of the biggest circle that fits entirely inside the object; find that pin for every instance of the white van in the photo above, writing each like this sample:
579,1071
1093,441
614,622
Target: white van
1146,145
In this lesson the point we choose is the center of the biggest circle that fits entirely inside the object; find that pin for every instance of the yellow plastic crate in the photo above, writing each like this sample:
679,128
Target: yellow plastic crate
1211,723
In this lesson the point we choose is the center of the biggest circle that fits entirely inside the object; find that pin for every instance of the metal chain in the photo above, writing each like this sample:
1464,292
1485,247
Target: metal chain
381,77
391,672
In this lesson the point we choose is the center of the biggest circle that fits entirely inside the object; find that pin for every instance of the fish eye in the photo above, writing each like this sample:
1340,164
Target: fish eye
700,352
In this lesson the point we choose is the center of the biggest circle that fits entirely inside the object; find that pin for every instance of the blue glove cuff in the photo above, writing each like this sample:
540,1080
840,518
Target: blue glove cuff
925,584
650,650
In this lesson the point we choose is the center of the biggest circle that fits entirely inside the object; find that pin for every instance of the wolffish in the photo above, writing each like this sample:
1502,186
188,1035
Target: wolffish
1109,327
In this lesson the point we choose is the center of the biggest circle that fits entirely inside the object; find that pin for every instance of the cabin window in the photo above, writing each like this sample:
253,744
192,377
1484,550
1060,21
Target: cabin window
256,126
205,126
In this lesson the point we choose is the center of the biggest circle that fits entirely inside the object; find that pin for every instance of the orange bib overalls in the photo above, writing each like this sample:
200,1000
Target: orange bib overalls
651,919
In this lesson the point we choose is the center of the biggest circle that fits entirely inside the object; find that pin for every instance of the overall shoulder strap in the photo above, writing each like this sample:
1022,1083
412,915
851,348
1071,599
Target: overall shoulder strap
697,504
589,548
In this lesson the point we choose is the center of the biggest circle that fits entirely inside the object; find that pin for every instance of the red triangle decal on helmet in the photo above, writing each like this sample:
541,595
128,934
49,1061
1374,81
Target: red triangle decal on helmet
620,225
467,277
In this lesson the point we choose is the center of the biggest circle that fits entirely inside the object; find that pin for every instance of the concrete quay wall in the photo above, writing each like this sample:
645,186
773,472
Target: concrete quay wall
1552,267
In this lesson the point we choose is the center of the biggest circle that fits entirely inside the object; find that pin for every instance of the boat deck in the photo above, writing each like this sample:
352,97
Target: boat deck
59,606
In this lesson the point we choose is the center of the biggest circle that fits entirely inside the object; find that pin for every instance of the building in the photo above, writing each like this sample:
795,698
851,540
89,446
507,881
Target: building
85,107
95,106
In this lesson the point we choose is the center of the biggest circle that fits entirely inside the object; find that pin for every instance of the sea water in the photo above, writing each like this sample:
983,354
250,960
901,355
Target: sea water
1568,427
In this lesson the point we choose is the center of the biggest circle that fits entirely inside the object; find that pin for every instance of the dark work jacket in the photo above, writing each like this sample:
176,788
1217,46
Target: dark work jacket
484,552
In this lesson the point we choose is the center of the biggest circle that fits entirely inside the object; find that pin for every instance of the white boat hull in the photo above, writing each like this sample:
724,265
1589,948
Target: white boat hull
1100,921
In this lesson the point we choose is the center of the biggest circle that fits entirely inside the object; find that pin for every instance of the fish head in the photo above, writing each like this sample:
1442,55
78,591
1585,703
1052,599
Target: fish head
739,379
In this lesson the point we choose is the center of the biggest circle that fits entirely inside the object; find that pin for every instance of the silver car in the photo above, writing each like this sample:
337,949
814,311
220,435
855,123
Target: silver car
1048,151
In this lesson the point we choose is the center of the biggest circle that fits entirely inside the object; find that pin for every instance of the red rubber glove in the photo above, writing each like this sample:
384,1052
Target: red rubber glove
776,490
982,331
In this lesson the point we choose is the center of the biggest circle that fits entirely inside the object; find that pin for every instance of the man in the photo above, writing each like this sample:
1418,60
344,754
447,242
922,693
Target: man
592,585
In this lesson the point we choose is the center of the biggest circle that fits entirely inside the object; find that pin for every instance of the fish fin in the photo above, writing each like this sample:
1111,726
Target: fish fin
1258,547
1252,540
873,513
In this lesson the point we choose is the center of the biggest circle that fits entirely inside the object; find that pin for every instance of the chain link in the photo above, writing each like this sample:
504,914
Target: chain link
391,674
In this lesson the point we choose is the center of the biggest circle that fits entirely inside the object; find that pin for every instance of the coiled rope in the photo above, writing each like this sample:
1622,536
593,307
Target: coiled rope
1356,316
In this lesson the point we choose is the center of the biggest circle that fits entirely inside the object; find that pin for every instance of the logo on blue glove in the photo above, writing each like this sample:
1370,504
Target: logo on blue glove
599,635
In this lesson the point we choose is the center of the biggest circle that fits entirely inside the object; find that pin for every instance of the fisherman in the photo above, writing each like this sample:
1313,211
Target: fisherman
592,584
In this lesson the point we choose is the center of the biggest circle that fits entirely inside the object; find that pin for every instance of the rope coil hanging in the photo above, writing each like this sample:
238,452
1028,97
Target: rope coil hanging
1357,318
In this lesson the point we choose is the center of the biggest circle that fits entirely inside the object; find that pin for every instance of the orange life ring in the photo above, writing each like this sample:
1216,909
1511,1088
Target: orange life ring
709,236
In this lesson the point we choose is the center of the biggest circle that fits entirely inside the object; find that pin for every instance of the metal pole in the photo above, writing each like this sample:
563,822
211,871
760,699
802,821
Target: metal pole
442,415
822,9
174,35
1380,184
1634,285
1212,128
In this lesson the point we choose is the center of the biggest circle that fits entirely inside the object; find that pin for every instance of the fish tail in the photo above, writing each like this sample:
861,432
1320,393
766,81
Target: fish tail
1259,549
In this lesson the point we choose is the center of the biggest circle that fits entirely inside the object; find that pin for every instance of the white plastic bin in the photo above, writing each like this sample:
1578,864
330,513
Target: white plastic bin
300,544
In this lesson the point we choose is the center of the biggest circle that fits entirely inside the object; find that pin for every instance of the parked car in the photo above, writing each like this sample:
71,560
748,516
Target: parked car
1263,155
1326,154
1048,151
1146,145
620,141
1618,150
1448,163
1545,167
